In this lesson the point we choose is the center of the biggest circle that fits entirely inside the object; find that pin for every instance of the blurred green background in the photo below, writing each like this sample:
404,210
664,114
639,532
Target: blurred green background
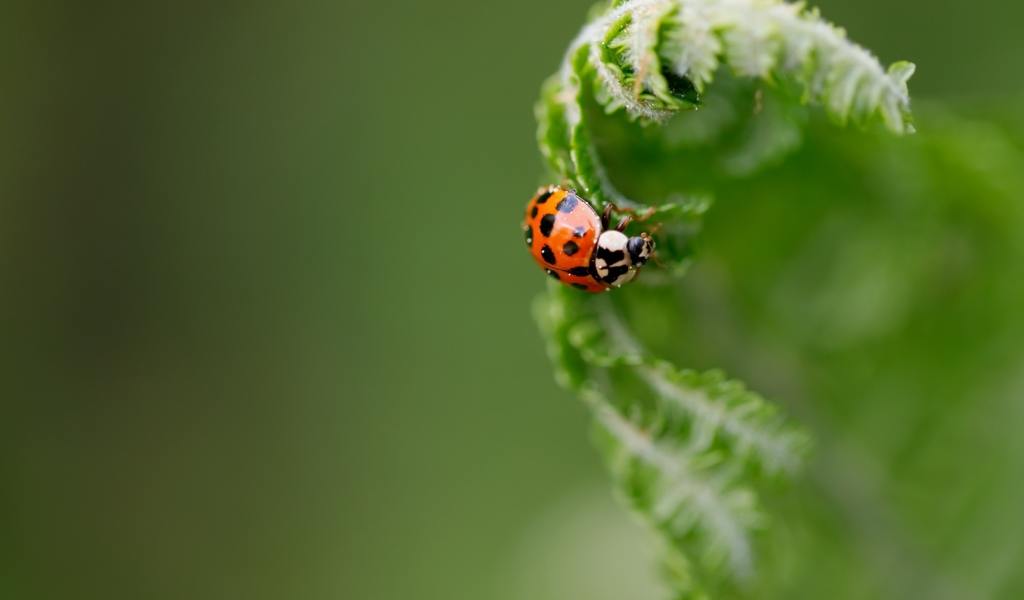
264,308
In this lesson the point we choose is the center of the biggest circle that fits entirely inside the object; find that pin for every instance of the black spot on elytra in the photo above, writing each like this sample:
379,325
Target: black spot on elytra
568,203
570,248
529,235
579,231
579,271
544,197
547,222
548,254
553,274
614,273
533,213
579,286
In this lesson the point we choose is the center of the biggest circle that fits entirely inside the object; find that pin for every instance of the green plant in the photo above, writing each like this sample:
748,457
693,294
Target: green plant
672,100
870,281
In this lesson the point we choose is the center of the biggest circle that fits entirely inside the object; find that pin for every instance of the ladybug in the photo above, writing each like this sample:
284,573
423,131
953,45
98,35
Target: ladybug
574,245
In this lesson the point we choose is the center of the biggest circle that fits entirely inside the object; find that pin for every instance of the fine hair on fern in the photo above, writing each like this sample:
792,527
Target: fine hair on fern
652,57
690,451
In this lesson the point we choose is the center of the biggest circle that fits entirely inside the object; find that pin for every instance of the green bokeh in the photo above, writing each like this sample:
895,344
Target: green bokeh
264,306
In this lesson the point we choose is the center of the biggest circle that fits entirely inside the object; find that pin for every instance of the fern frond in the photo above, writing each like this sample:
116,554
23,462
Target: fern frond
724,408
716,407
653,57
680,449
755,38
691,452
684,490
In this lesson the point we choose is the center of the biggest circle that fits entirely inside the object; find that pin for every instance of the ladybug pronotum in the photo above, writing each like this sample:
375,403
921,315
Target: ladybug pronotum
574,245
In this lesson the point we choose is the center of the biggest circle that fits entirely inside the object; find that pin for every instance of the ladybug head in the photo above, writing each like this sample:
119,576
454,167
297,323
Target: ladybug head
640,249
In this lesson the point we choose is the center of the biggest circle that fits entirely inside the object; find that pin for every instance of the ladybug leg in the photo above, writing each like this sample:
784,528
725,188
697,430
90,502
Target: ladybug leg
606,216
647,215
654,257
623,223
650,211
